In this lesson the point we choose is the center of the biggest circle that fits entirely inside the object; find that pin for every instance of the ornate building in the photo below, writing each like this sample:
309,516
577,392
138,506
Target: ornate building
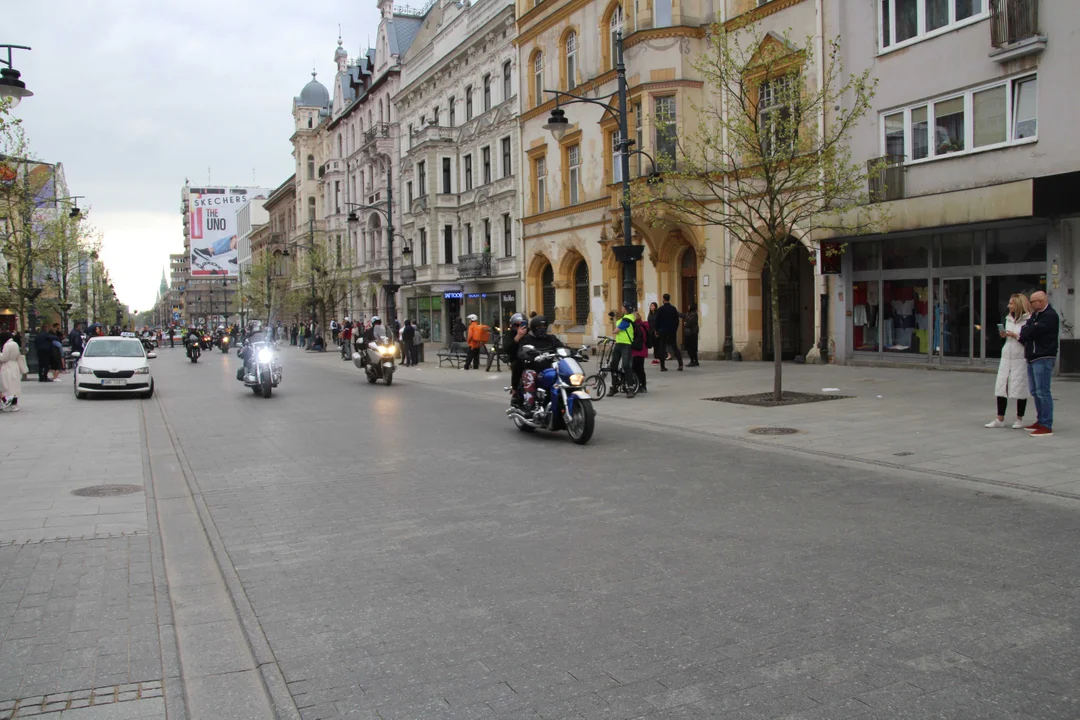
461,166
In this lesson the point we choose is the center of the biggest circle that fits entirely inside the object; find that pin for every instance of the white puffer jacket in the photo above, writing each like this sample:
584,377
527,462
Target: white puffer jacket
1012,380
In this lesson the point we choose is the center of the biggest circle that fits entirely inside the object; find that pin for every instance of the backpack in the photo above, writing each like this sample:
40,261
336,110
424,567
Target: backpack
637,343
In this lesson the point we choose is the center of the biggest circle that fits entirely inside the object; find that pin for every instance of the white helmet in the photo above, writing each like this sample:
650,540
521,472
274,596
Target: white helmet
472,318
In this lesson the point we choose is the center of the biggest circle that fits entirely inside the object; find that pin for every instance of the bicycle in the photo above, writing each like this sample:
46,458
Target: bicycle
597,384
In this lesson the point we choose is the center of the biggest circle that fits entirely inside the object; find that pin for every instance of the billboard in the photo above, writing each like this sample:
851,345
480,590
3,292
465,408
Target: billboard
213,230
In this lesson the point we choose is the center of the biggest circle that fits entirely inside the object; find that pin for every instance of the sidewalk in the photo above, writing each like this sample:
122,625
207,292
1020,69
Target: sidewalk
924,420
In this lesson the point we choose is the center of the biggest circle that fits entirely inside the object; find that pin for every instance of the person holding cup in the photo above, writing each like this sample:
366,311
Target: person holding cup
1012,378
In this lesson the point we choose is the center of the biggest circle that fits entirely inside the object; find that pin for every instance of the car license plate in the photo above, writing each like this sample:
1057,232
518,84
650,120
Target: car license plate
114,382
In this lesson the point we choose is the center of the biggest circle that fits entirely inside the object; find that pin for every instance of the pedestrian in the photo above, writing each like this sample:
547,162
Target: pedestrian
1012,379
667,331
75,339
44,348
478,335
334,329
408,336
292,334
622,351
690,334
57,352
172,336
650,320
458,331
12,370
638,356
1040,339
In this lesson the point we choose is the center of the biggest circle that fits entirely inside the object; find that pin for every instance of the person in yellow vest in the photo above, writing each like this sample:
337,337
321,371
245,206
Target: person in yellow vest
478,335
621,356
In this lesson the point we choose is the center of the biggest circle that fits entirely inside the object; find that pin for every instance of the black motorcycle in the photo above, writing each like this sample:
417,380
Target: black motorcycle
194,347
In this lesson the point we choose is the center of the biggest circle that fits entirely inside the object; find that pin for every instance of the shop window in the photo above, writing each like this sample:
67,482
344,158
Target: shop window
1016,245
581,294
865,316
953,250
906,253
905,316
999,288
865,256
547,281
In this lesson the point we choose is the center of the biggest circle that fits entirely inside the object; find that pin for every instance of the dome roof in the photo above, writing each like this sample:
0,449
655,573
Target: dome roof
314,94
340,52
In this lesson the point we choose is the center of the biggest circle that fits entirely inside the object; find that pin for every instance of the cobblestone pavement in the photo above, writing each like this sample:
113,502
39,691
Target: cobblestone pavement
78,623
409,554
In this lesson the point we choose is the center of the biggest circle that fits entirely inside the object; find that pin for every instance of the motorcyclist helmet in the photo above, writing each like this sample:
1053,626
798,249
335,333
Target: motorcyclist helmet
471,318
517,319
538,326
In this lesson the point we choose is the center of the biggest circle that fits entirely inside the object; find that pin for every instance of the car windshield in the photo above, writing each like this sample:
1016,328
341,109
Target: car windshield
113,347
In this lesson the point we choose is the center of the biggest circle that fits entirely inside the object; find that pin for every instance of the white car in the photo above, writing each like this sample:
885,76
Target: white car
113,364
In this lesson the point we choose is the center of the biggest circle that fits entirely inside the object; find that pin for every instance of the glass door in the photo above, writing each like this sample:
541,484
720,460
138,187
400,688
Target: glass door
955,315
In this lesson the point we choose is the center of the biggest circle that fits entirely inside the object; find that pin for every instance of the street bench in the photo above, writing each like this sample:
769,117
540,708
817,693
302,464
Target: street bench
457,353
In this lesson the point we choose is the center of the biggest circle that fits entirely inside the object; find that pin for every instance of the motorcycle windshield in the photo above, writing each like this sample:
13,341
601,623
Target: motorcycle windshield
569,366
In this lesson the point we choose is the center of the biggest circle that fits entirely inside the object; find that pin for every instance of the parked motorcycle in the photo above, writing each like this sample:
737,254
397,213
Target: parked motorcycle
263,373
194,349
561,402
377,360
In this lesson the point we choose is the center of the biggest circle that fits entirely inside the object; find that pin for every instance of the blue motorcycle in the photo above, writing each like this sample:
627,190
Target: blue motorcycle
562,402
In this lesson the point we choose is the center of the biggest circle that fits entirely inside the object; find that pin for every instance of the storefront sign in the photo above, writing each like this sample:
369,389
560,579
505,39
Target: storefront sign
475,295
452,296
509,297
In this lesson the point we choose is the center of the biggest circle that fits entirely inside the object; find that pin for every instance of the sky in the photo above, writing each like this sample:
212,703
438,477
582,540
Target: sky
134,96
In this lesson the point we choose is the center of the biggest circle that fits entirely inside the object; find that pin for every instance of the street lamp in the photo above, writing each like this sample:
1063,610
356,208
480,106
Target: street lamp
387,209
11,86
628,254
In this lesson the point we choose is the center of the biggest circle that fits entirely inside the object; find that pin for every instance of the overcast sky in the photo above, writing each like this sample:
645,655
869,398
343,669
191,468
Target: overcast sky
133,96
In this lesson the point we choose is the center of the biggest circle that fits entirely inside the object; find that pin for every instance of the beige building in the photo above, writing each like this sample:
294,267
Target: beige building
460,173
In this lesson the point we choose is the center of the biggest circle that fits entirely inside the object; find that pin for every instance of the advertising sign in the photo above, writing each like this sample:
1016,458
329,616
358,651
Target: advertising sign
213,228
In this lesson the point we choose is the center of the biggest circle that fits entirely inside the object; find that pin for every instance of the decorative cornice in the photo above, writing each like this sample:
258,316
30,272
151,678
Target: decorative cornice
756,14
564,211
637,90
663,32
581,89
571,138
538,151
561,231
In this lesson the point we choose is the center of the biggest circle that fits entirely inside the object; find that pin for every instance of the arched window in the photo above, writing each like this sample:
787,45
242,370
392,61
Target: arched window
615,27
581,294
381,118
547,280
311,208
538,78
507,92
310,167
571,60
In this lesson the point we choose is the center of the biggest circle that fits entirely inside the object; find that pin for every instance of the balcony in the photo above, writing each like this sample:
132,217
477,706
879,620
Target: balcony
432,133
475,265
886,178
379,130
1014,29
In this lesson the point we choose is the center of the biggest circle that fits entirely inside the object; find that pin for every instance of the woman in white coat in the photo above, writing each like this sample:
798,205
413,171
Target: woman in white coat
1012,381
12,367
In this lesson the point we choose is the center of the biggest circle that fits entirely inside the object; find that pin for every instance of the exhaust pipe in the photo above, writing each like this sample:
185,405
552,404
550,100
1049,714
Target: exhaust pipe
515,412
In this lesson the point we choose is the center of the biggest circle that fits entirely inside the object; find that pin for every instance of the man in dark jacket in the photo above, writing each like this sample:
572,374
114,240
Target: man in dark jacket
535,342
667,331
75,339
43,343
1040,340
511,344
408,336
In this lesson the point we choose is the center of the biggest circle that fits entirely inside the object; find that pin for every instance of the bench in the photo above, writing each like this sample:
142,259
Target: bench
456,354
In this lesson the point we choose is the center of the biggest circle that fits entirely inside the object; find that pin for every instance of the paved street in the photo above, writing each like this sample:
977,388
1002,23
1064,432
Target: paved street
404,552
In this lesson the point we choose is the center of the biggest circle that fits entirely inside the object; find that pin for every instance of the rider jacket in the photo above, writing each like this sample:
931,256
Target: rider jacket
544,344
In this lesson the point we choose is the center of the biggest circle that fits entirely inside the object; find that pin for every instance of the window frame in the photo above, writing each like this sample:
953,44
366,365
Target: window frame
674,122
485,163
573,174
468,103
487,91
448,244
508,91
450,110
570,53
538,78
468,172
1010,84
421,178
447,176
508,236
423,247
611,30
540,184
507,157
921,33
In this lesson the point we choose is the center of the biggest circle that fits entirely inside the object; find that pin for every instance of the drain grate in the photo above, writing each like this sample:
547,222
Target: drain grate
107,490
773,431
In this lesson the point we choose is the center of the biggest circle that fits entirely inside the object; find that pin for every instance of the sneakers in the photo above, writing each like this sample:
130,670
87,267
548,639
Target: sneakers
995,423
1041,432
1018,425
199,252
1033,426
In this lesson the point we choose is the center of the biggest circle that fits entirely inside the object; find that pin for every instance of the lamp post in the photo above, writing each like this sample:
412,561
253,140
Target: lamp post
628,254
11,86
74,214
387,209
310,245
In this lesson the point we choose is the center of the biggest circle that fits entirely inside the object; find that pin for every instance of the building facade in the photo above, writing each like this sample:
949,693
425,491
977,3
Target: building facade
982,187
460,167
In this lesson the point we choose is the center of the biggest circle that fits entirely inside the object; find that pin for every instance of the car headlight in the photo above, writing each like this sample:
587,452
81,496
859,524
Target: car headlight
85,370
577,379
143,370
265,356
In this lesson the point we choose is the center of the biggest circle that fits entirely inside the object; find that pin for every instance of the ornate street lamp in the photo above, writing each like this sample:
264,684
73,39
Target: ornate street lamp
11,86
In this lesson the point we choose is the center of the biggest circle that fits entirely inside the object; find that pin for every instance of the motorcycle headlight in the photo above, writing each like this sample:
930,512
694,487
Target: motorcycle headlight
265,356
386,351
577,379
85,370
143,370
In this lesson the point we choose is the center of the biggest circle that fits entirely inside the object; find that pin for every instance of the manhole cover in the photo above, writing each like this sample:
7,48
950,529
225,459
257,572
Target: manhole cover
107,490
773,431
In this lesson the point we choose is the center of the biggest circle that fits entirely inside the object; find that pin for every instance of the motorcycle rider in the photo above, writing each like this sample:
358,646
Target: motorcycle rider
374,333
247,353
541,342
510,346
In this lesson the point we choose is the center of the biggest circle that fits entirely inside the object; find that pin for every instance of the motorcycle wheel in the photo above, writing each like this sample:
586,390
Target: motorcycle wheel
389,378
257,389
596,385
194,358
370,378
267,387
582,421
522,426
631,385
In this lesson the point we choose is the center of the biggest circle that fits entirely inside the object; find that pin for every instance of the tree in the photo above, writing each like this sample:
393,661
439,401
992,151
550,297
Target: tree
767,159
323,275
66,244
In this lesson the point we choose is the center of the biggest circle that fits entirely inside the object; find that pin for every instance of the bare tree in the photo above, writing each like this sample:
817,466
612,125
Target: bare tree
767,156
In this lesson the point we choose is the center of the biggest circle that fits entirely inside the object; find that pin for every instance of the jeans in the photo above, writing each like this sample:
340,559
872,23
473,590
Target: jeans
1039,373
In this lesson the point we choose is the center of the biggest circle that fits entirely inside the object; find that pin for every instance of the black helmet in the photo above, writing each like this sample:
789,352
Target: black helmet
538,326
517,319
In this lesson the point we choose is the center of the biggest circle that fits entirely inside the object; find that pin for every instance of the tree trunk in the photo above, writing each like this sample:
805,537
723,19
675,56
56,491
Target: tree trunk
777,335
